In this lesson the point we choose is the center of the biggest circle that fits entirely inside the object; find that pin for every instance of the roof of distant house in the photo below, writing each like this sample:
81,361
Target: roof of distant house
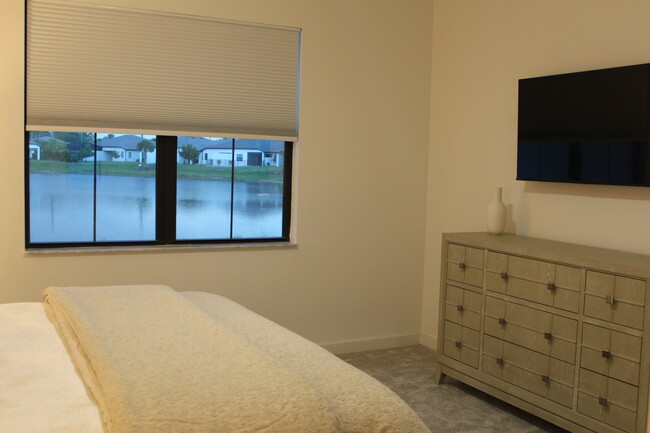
126,142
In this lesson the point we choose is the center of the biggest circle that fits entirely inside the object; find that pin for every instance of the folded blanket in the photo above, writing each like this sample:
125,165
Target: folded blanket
156,362
361,403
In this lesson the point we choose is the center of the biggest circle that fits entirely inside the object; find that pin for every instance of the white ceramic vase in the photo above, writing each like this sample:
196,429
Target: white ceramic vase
496,214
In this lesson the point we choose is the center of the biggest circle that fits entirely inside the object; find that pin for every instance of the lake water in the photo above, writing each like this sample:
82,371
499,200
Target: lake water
61,208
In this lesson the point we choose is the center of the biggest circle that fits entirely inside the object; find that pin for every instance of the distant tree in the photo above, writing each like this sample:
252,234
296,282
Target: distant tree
39,135
115,154
84,152
145,146
88,138
107,137
75,140
188,152
54,150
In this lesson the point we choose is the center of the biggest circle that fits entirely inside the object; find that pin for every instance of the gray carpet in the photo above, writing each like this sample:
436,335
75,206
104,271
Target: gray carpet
452,407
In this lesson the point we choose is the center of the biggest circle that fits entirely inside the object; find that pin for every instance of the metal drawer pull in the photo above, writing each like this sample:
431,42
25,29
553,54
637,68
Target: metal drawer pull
606,353
461,265
602,401
502,321
546,379
504,275
551,287
459,308
458,344
499,361
610,300
548,336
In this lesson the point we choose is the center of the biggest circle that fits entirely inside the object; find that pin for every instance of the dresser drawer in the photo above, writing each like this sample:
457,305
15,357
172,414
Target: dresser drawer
529,370
534,280
615,298
461,343
534,329
465,264
463,307
611,353
608,400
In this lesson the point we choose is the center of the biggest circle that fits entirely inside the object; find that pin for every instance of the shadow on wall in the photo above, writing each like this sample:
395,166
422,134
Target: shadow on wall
511,225
641,193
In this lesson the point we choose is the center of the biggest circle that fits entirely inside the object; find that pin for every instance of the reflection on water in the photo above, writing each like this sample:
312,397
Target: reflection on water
203,209
61,208
255,201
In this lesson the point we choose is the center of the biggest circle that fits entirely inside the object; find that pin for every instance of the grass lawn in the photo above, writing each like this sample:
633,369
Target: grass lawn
185,171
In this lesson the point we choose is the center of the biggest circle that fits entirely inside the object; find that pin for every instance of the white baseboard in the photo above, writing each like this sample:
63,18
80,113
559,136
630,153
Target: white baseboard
372,344
431,341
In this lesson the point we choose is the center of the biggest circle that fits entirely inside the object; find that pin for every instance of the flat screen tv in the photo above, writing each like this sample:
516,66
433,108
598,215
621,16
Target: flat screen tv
585,127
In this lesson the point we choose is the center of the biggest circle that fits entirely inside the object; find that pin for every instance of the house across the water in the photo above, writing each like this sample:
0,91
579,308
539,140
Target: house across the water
124,148
247,153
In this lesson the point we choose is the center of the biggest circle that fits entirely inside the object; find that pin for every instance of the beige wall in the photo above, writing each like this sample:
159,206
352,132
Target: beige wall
480,49
368,110
361,178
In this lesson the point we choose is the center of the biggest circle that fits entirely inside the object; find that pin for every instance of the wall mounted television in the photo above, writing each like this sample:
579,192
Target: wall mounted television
586,127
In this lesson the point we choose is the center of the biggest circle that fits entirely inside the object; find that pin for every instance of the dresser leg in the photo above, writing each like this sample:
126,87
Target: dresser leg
438,376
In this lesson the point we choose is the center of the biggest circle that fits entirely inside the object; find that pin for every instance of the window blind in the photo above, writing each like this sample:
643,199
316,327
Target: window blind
107,69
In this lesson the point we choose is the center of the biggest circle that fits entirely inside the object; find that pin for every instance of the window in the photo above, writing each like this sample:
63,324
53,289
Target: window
81,193
185,182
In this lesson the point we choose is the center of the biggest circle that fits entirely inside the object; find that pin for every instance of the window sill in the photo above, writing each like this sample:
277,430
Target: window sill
160,248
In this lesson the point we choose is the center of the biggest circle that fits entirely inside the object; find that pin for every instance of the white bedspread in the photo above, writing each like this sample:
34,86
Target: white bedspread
39,389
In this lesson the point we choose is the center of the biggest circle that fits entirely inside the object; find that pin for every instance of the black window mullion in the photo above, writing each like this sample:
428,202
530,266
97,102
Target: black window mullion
286,189
166,151
27,186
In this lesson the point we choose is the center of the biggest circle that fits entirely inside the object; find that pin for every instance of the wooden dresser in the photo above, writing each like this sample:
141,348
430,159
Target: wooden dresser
556,329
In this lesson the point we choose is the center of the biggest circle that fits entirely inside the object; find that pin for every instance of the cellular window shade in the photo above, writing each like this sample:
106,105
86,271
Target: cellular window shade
105,69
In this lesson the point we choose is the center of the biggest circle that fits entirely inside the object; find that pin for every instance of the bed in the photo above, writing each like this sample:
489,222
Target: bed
149,359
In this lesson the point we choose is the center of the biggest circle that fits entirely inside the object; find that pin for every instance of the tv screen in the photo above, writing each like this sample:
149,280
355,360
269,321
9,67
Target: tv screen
585,127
